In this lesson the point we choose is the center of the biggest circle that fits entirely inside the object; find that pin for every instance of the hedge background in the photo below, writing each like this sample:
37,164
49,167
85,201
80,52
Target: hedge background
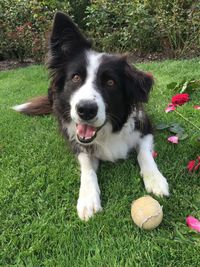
146,26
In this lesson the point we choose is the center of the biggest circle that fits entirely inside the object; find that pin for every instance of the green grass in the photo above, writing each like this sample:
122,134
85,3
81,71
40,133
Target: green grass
39,184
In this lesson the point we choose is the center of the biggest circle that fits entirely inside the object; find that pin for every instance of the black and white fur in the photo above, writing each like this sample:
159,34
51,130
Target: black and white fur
98,101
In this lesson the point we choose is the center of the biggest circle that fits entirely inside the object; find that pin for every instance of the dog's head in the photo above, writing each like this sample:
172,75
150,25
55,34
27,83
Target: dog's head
91,88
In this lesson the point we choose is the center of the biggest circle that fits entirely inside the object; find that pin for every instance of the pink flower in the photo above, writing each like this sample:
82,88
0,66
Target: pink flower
180,99
173,139
197,107
193,223
170,107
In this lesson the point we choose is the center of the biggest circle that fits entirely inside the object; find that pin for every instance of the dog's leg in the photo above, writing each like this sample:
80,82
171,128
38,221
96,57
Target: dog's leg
89,195
154,181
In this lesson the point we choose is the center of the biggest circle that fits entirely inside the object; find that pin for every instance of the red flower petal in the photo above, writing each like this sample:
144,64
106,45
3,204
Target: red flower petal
154,154
197,107
191,165
180,99
193,223
173,139
170,107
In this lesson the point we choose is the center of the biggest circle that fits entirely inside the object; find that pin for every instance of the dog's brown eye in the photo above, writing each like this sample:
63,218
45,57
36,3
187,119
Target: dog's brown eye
110,82
76,78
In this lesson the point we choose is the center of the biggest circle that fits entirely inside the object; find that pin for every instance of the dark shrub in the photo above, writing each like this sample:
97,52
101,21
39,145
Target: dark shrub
122,25
24,27
146,26
169,26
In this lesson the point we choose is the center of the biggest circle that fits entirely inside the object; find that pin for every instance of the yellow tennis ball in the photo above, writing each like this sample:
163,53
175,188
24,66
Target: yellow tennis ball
146,212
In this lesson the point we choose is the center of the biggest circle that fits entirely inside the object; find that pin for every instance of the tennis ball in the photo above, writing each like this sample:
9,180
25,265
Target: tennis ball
146,212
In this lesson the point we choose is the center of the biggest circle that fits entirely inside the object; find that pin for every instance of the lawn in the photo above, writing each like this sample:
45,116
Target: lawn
39,184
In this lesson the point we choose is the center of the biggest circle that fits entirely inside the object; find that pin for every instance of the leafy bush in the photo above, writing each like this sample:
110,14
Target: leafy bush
178,23
170,26
149,25
24,26
120,26
78,8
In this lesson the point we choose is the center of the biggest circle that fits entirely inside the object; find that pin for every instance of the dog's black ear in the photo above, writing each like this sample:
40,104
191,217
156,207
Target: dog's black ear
138,84
66,38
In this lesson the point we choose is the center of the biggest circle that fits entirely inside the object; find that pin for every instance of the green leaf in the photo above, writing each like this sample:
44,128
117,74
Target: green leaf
179,85
174,124
184,86
194,84
182,136
171,85
162,126
176,129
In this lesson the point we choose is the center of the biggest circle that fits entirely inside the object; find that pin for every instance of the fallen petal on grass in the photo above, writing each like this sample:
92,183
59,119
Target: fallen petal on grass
191,165
193,223
173,139
194,165
154,154
197,107
170,107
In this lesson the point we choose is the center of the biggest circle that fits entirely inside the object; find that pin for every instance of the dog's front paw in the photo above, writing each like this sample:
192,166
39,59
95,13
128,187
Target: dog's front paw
88,204
156,183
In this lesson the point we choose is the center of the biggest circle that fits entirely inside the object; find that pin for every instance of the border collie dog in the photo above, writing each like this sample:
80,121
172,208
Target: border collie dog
98,101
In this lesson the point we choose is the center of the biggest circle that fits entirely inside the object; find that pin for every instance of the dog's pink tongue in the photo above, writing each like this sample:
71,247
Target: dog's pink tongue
85,130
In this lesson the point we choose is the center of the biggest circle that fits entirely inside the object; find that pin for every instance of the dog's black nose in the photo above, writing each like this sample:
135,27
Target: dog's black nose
87,110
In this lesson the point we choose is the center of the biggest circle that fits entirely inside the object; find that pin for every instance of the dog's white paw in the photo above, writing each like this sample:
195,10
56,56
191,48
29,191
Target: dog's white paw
88,204
156,183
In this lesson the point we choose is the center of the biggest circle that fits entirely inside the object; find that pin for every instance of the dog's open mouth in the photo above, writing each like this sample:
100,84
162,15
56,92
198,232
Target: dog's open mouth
86,133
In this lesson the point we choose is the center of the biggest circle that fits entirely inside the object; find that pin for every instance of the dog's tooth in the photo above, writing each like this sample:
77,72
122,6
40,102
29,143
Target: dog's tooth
81,137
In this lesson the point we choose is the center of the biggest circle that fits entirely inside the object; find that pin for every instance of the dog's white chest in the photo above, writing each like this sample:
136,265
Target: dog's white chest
114,146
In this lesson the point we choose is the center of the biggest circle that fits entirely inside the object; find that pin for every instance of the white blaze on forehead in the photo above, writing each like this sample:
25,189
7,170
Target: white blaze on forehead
94,60
88,91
